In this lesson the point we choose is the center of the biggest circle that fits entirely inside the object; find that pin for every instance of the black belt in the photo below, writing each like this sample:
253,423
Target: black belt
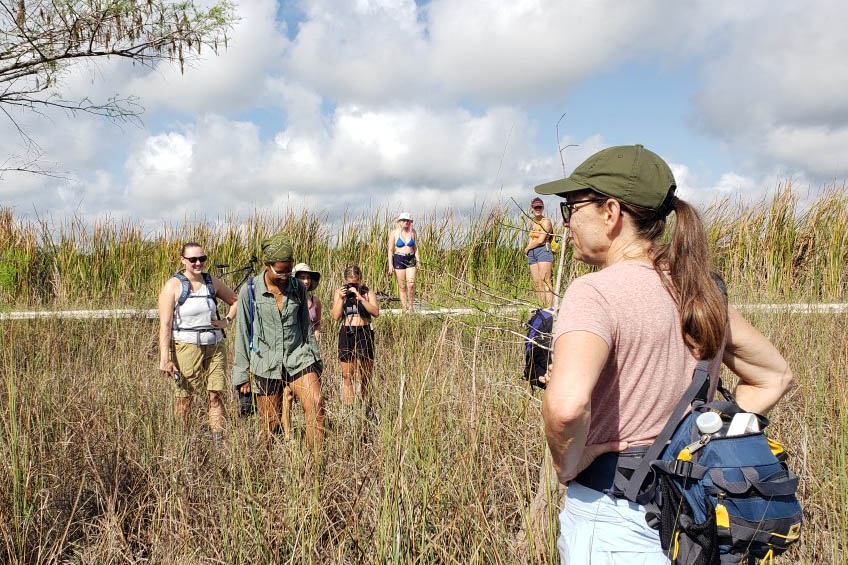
600,474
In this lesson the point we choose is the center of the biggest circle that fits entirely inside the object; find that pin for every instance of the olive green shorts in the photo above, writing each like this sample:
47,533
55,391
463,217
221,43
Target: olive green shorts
201,368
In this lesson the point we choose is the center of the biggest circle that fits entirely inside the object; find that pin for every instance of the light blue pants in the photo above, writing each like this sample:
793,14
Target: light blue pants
599,529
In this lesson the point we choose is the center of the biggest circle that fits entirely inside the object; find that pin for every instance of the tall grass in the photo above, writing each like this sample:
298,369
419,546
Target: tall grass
92,469
775,249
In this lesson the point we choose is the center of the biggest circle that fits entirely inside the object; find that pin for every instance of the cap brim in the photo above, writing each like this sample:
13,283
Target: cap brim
561,186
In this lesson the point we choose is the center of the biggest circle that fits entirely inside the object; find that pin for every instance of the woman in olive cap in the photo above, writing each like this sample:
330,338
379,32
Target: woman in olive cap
275,342
627,340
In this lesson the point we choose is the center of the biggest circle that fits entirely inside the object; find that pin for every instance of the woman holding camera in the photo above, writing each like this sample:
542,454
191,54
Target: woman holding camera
354,305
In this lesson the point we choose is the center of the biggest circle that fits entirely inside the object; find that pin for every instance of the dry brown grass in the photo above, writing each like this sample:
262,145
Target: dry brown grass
93,470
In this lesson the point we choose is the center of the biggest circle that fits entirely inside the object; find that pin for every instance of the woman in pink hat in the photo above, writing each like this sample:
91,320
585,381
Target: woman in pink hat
403,259
540,258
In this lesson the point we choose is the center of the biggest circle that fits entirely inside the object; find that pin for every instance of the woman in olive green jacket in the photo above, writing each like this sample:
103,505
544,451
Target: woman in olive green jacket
282,349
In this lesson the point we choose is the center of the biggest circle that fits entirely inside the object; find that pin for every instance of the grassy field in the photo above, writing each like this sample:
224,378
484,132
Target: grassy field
92,469
94,472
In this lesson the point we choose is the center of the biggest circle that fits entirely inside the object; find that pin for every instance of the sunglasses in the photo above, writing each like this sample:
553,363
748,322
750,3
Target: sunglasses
194,260
538,207
567,208
279,274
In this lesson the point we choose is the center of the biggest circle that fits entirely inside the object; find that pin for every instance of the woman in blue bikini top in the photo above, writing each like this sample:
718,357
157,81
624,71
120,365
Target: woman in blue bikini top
403,259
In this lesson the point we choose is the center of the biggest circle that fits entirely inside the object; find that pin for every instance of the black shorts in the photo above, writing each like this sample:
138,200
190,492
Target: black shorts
402,262
356,342
270,387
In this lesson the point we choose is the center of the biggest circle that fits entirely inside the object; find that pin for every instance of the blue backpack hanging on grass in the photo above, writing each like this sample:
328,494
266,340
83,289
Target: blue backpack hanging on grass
537,346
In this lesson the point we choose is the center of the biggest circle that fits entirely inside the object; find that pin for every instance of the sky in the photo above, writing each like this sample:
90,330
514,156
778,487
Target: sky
350,105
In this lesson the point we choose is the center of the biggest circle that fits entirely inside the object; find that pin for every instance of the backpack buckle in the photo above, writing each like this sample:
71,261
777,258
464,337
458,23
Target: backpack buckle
682,468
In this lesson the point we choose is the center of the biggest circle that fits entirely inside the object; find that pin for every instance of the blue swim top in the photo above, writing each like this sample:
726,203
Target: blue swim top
401,243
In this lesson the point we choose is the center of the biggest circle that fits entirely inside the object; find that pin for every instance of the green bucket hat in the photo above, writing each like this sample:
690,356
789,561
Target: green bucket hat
630,173
277,248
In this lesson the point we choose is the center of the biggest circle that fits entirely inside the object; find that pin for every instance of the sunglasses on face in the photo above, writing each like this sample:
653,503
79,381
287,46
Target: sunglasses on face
194,260
567,208
538,207
280,274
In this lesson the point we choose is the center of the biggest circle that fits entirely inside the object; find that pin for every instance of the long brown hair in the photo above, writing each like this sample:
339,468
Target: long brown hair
684,267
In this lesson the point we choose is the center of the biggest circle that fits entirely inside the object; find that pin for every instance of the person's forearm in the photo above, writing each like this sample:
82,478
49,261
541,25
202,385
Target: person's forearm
164,343
233,310
761,399
372,309
566,440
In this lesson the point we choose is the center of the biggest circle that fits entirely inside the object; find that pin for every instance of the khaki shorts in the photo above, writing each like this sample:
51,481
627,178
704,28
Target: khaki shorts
201,367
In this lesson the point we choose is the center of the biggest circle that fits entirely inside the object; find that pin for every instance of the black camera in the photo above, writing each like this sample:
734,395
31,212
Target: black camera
350,297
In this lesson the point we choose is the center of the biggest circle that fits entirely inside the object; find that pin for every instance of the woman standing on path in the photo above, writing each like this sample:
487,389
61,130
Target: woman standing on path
627,340
540,258
191,336
403,259
275,342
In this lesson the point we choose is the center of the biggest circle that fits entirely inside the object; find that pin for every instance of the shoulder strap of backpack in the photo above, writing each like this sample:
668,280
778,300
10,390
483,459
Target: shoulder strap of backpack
210,285
210,289
304,301
696,392
186,287
251,308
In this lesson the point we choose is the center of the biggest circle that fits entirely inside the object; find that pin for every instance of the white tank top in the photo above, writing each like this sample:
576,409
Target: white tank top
193,320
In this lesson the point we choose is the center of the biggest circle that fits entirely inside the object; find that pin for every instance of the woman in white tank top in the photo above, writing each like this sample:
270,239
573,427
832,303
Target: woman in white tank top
190,335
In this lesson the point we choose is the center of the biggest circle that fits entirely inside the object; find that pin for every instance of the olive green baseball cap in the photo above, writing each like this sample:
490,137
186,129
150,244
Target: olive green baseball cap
630,173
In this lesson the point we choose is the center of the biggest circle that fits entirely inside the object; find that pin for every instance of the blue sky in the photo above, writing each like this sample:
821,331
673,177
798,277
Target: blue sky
320,103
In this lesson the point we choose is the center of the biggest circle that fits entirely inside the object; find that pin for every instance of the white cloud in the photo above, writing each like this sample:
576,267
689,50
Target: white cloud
365,157
383,101
777,94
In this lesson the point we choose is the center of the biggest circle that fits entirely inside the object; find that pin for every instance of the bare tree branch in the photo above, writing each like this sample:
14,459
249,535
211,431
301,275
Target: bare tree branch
40,40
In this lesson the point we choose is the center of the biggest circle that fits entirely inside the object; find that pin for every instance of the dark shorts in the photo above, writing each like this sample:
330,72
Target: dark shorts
356,342
402,262
541,254
270,387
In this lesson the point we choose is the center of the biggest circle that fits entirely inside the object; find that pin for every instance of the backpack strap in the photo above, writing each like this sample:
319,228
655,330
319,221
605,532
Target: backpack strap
186,287
696,392
304,300
251,308
210,285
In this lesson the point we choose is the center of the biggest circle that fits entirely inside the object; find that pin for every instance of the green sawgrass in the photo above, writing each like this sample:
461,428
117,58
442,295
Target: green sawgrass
783,248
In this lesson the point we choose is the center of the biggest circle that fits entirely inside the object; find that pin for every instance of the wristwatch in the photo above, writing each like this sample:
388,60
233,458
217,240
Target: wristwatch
229,320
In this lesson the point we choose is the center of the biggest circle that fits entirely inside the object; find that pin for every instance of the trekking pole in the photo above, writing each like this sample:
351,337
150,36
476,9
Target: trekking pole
562,243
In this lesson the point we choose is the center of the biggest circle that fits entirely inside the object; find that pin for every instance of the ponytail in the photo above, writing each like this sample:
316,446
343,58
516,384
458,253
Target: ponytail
684,267
703,310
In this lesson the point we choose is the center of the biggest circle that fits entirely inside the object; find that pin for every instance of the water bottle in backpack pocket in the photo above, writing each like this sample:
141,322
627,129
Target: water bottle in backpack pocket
723,498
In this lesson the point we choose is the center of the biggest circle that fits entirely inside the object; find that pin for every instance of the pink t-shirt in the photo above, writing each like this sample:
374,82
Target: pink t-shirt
649,366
